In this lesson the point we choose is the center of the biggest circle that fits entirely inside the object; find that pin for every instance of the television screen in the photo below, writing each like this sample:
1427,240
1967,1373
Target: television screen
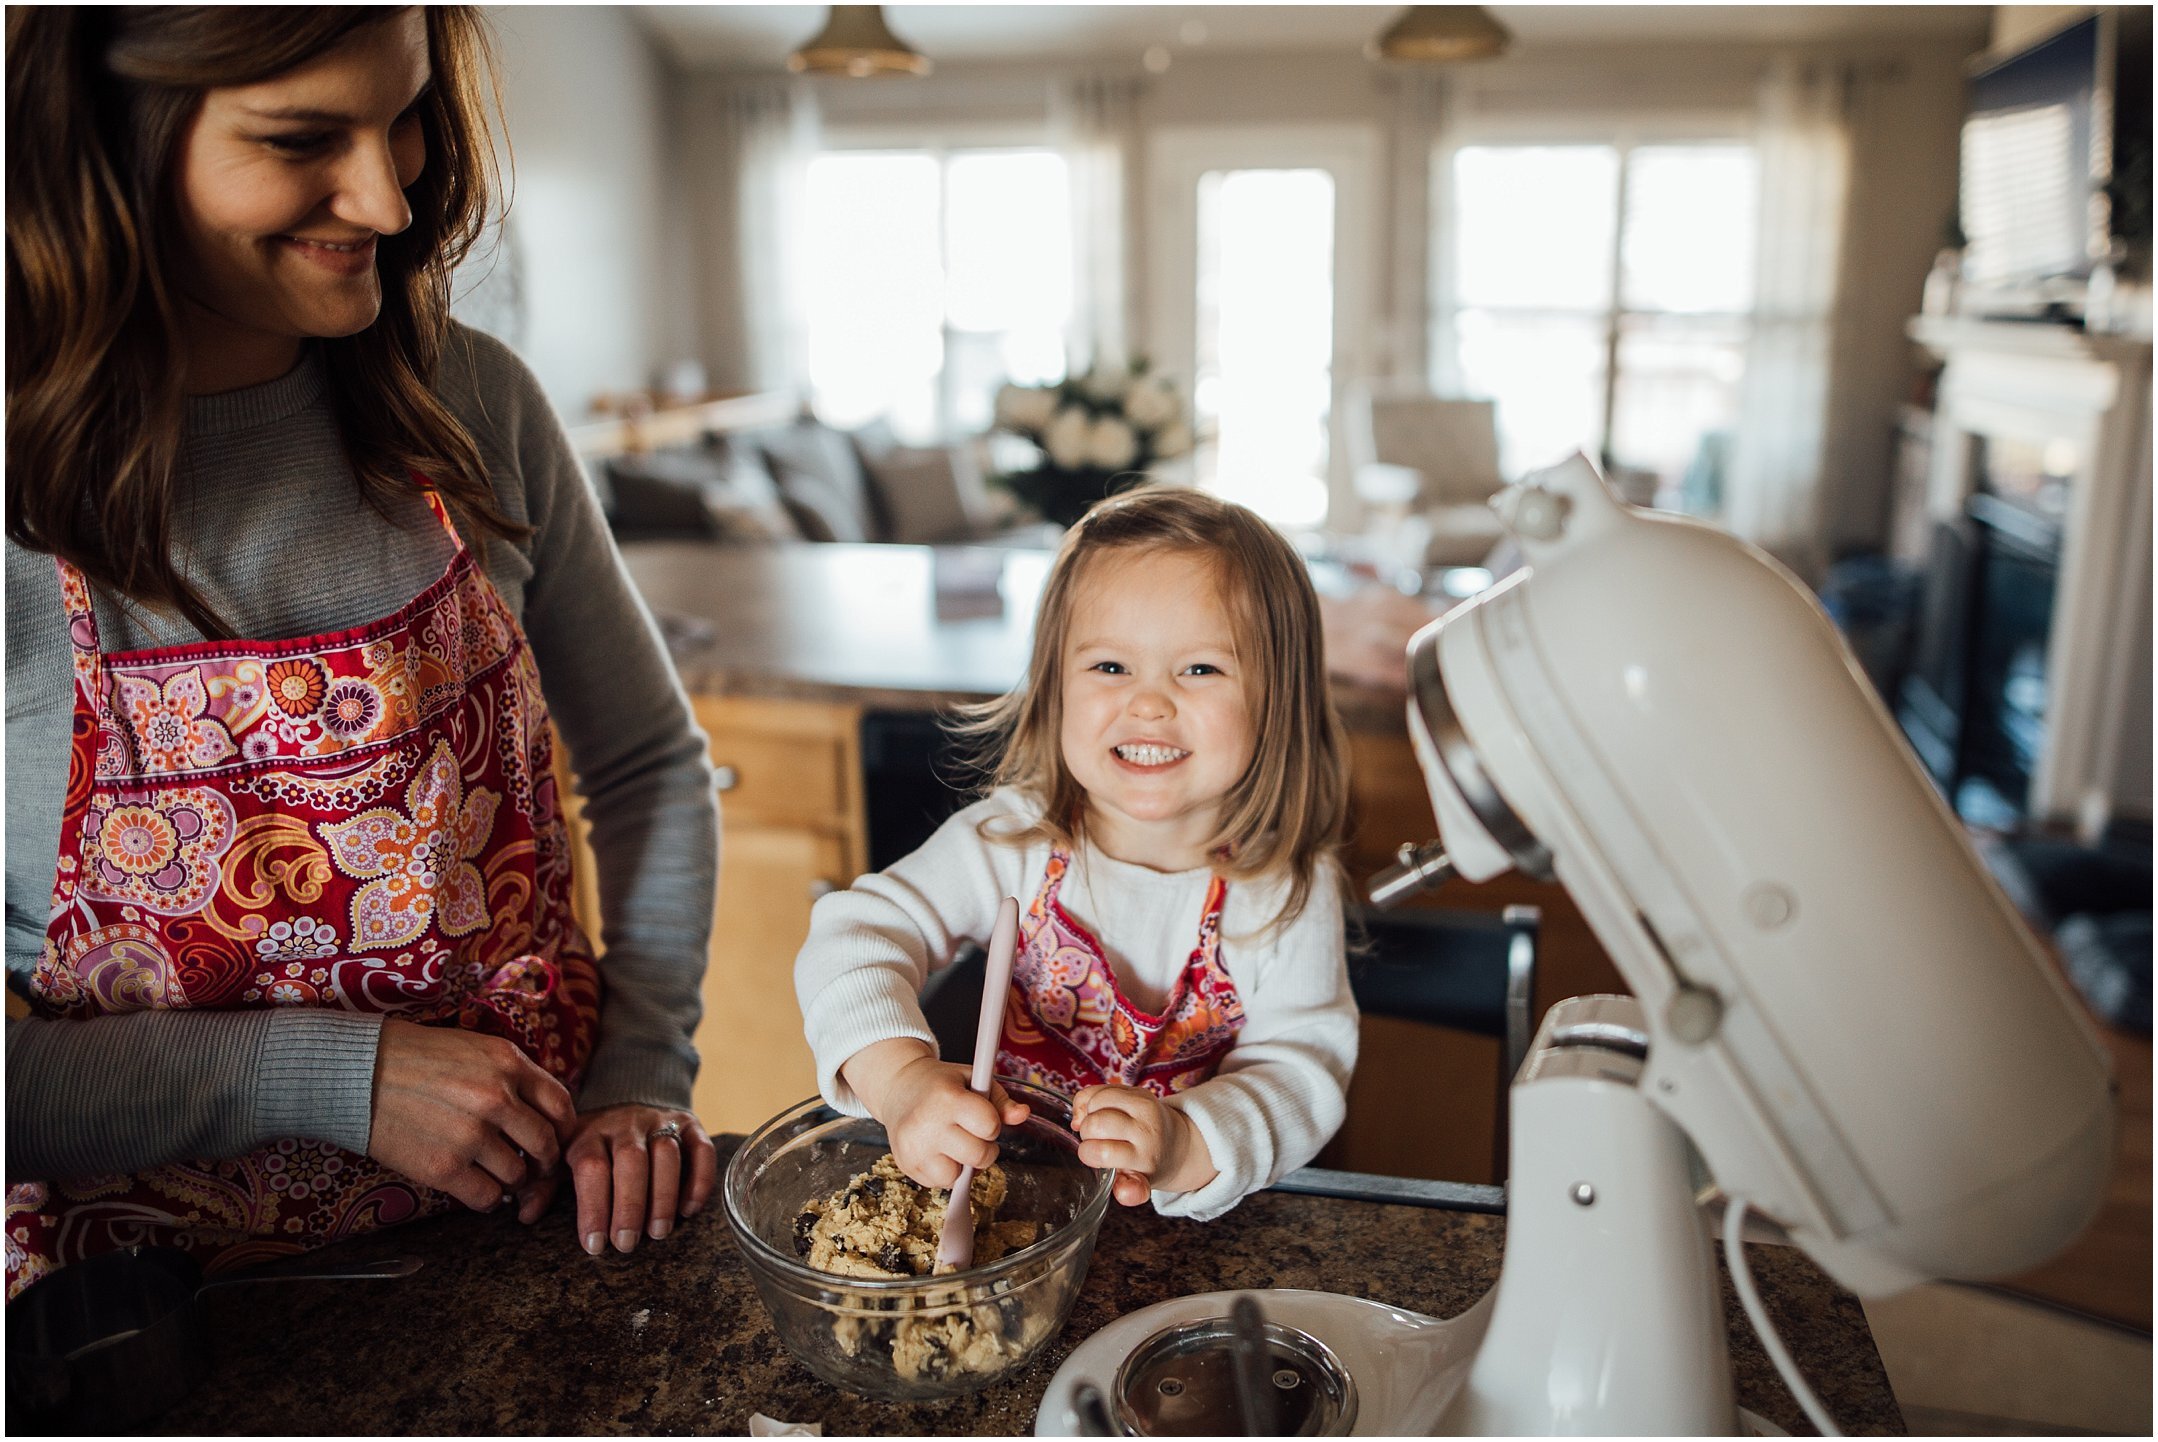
2030,203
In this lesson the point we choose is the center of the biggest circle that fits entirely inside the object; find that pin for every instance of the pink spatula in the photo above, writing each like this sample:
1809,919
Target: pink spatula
955,1244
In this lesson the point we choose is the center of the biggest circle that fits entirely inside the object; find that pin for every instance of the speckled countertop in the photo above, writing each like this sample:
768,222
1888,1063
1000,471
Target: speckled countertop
510,1330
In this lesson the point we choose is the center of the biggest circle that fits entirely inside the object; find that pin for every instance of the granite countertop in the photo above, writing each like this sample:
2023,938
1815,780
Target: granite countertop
879,626
514,1330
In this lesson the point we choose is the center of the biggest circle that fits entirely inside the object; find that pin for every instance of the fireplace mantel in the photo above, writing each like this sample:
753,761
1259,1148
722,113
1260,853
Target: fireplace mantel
2053,383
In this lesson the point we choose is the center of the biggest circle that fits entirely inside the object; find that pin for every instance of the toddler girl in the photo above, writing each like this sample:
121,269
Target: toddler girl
1171,784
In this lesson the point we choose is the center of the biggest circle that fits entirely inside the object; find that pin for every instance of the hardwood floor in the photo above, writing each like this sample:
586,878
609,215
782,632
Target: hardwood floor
1974,1362
2107,1273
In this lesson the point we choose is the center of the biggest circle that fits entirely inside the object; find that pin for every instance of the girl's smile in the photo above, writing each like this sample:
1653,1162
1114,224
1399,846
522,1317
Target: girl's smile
1156,729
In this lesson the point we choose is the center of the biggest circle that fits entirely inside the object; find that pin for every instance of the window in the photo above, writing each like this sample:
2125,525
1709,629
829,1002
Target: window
933,276
1601,295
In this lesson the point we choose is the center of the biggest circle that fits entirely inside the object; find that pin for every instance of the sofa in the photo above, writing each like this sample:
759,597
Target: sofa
800,480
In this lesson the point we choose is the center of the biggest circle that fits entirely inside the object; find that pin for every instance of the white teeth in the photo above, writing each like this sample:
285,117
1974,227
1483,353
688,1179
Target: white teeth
325,245
1151,755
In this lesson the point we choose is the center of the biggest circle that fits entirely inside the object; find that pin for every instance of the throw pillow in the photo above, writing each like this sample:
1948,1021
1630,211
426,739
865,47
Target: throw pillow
930,494
821,479
720,491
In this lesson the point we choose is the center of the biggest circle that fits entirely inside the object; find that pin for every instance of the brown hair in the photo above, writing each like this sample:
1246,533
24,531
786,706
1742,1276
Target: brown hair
1287,813
98,101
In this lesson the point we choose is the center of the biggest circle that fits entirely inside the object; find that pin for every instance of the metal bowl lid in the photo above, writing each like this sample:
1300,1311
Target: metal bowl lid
1181,1382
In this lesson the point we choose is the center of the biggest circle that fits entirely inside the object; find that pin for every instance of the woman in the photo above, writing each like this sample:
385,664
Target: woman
299,573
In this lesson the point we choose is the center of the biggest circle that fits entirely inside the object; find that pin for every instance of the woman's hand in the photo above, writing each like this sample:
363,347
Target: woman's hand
633,1176
463,1113
935,1123
1152,1146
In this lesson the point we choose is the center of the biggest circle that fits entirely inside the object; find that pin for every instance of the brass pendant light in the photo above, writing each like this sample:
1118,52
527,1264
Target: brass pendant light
1435,34
856,41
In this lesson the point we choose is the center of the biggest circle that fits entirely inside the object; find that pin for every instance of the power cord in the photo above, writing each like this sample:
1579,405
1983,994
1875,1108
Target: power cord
1734,1255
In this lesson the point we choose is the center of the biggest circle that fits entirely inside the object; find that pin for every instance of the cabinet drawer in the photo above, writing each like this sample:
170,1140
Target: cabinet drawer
779,779
780,763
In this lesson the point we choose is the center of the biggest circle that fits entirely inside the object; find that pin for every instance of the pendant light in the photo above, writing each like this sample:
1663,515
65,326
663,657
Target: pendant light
1435,34
856,41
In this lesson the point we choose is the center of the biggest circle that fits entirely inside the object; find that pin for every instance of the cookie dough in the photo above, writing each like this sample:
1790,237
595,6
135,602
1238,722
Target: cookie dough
883,1224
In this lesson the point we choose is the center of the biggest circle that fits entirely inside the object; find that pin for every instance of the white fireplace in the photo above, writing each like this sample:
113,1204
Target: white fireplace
2082,403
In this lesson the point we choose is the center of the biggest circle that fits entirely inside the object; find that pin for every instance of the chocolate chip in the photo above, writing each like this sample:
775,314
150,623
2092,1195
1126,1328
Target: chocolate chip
804,1224
874,1186
892,1259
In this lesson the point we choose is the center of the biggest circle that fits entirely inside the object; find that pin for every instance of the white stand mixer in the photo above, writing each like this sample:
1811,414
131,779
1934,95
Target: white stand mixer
1832,1001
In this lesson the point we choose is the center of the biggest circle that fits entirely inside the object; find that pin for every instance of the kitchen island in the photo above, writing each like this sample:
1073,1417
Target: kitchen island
512,1330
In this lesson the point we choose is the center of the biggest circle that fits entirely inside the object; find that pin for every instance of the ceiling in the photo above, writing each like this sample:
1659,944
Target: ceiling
758,37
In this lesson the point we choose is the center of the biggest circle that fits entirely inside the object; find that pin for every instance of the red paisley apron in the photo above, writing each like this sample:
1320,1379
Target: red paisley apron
364,820
1068,1026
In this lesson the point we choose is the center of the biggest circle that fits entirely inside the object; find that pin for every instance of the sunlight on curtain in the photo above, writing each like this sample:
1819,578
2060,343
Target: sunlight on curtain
1093,124
1686,286
1533,243
772,131
876,313
1773,496
1263,393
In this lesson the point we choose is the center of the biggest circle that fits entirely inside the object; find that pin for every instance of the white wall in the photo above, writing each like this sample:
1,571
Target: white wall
602,259
1905,115
2015,26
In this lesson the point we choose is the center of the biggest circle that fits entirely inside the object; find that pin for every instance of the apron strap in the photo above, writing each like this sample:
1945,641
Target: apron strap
81,611
76,599
441,510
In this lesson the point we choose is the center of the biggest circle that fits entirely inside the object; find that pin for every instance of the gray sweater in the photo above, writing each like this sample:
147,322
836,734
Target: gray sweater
274,532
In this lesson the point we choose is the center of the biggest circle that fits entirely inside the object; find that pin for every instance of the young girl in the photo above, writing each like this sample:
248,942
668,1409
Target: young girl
1170,790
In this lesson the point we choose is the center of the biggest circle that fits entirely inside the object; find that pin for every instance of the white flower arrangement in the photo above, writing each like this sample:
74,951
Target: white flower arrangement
1097,434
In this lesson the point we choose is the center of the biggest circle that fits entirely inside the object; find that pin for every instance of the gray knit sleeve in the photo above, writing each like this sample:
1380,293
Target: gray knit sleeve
250,1078
619,709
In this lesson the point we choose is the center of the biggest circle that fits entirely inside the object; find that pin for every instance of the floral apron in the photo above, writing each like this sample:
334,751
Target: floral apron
1068,1026
364,820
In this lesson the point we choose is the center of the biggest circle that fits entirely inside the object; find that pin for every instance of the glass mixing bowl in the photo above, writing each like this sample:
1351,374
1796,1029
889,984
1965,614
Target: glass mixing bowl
912,1339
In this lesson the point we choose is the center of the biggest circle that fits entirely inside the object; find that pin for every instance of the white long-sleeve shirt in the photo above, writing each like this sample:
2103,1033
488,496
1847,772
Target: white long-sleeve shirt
1280,1092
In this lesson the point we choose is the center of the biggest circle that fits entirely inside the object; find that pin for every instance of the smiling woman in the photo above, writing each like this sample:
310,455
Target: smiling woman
306,963
235,141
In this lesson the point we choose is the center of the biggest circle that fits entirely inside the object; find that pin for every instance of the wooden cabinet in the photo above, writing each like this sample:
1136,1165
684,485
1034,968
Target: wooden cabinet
788,775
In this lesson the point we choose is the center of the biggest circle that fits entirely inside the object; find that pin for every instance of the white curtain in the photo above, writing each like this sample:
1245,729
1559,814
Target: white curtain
1093,124
1773,495
766,132
1418,104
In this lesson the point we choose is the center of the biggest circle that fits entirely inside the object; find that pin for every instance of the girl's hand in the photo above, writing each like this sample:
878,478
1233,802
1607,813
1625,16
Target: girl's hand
935,1123
629,1181
466,1114
1152,1146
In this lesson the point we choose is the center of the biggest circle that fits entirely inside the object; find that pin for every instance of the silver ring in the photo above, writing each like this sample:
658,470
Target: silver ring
670,1130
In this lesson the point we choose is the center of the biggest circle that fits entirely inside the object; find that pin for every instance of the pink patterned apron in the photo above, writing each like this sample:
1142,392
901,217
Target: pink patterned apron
1068,1026
364,820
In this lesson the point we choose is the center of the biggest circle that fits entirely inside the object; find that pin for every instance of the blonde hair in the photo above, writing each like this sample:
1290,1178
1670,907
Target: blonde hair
1286,815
